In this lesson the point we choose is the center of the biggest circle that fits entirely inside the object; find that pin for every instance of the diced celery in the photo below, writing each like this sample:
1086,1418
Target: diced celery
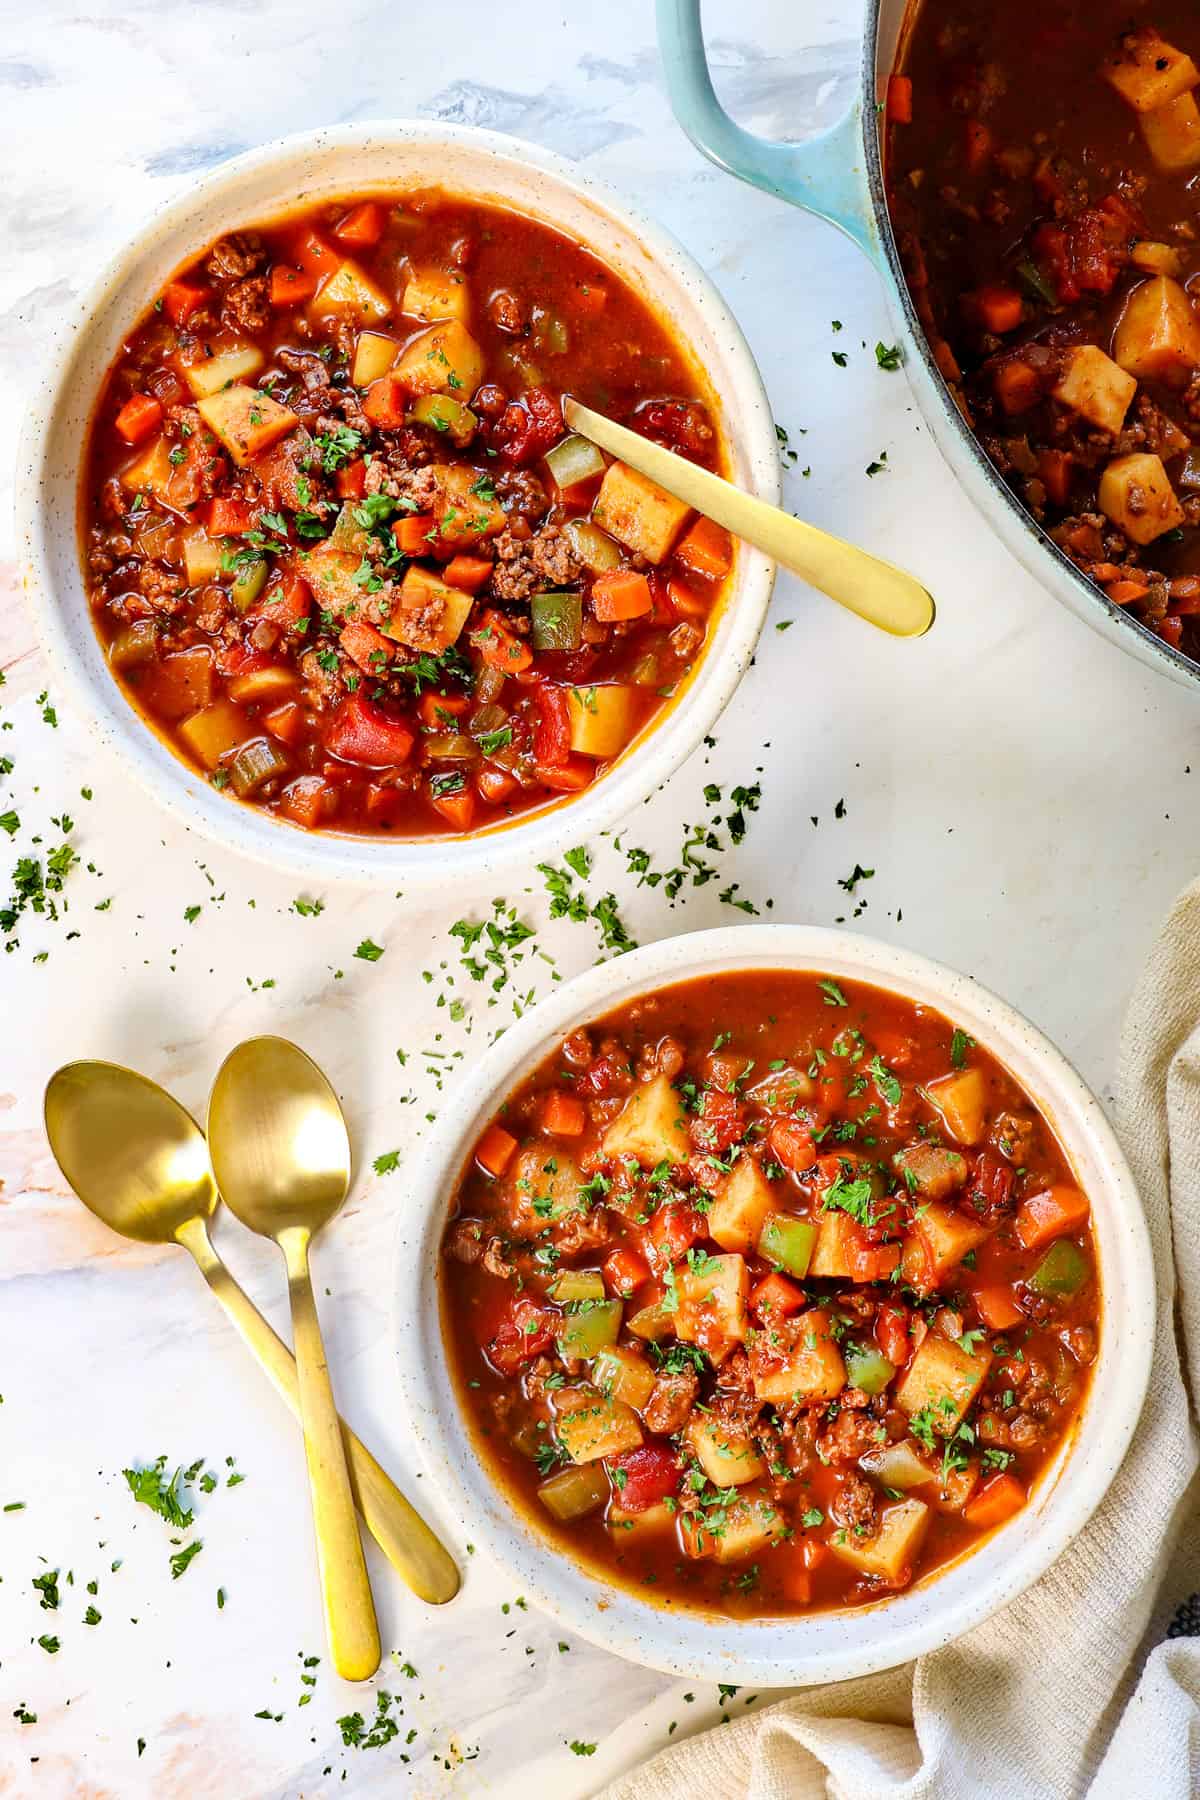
248,583
787,1242
135,645
868,1369
573,1492
255,764
572,460
593,547
592,1329
1063,1271
450,746
577,1284
442,412
551,334
348,534
556,619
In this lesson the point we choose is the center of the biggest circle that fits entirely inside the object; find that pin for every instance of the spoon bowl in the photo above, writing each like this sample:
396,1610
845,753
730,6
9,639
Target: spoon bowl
133,1155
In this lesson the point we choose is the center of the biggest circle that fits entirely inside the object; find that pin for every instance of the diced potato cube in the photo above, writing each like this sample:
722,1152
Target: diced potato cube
890,1554
246,421
443,360
782,1088
638,513
431,294
212,733
591,1425
625,1374
201,557
374,355
829,1258
751,1523
330,574
602,718
1172,134
350,291
937,1243
1136,494
729,1458
1095,387
740,1207
650,1126
1153,258
1158,336
930,1170
465,516
212,373
652,1522
1147,71
151,472
427,613
540,1187
797,1359
712,1304
961,1099
942,1380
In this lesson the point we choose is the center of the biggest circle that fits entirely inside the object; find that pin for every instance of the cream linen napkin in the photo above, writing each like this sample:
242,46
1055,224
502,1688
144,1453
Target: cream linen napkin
1071,1690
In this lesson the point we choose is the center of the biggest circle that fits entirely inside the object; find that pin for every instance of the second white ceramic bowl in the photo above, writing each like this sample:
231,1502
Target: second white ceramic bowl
303,171
830,1646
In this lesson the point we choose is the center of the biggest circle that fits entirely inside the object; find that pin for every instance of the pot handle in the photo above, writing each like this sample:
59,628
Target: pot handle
823,175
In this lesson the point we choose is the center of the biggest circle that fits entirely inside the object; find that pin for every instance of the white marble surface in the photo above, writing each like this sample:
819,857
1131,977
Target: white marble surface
1021,791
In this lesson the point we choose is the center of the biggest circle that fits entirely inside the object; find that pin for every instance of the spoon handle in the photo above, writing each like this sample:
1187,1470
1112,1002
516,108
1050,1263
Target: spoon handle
349,1609
417,1556
877,591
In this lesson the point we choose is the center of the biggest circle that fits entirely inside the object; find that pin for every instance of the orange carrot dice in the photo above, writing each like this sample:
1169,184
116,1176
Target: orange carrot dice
362,225
291,287
563,1114
706,549
139,416
1050,1214
495,1150
623,594
458,808
412,532
997,1308
467,572
996,1501
899,100
181,300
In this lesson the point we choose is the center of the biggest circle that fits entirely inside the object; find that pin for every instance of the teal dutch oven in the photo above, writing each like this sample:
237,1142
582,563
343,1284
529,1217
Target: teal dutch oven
838,175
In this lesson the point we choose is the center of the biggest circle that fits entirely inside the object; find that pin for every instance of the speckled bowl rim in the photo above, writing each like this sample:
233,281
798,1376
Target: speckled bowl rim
828,1646
466,159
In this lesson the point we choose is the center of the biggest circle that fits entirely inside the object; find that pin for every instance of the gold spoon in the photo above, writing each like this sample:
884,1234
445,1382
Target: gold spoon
281,1155
876,590
139,1162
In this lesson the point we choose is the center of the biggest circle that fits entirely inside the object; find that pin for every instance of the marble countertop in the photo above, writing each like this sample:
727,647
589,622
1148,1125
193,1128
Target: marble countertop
1021,793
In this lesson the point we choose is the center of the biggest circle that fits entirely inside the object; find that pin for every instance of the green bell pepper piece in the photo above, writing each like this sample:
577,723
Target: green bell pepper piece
593,1328
556,620
787,1242
1062,1271
867,1368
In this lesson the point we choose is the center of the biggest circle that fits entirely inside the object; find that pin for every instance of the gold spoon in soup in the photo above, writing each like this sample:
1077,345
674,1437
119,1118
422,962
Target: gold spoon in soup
281,1155
138,1161
877,591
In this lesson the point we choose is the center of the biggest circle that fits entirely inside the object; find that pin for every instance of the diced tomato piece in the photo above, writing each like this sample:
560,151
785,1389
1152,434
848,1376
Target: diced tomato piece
891,1334
467,573
528,426
625,1270
994,1502
285,602
362,225
411,533
645,1476
498,646
457,806
868,1261
997,1308
899,100
181,300
367,647
528,1331
620,594
384,402
495,785
777,1297
359,732
349,482
229,516
495,1150
792,1145
720,1124
1050,1214
140,415
989,1188
552,739
563,1114
291,287
674,1229
566,778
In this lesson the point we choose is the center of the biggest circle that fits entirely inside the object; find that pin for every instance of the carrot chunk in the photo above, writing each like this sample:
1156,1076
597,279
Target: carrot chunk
383,403
495,1150
563,1114
706,549
467,572
1050,1214
623,594
139,416
458,808
291,287
362,225
997,307
412,532
996,1307
180,301
899,100
997,1500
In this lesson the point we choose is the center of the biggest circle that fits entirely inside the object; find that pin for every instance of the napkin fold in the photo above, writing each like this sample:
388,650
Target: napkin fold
1073,1689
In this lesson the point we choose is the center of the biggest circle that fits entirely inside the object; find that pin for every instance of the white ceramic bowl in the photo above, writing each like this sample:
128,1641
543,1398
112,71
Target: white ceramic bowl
826,1646
302,171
